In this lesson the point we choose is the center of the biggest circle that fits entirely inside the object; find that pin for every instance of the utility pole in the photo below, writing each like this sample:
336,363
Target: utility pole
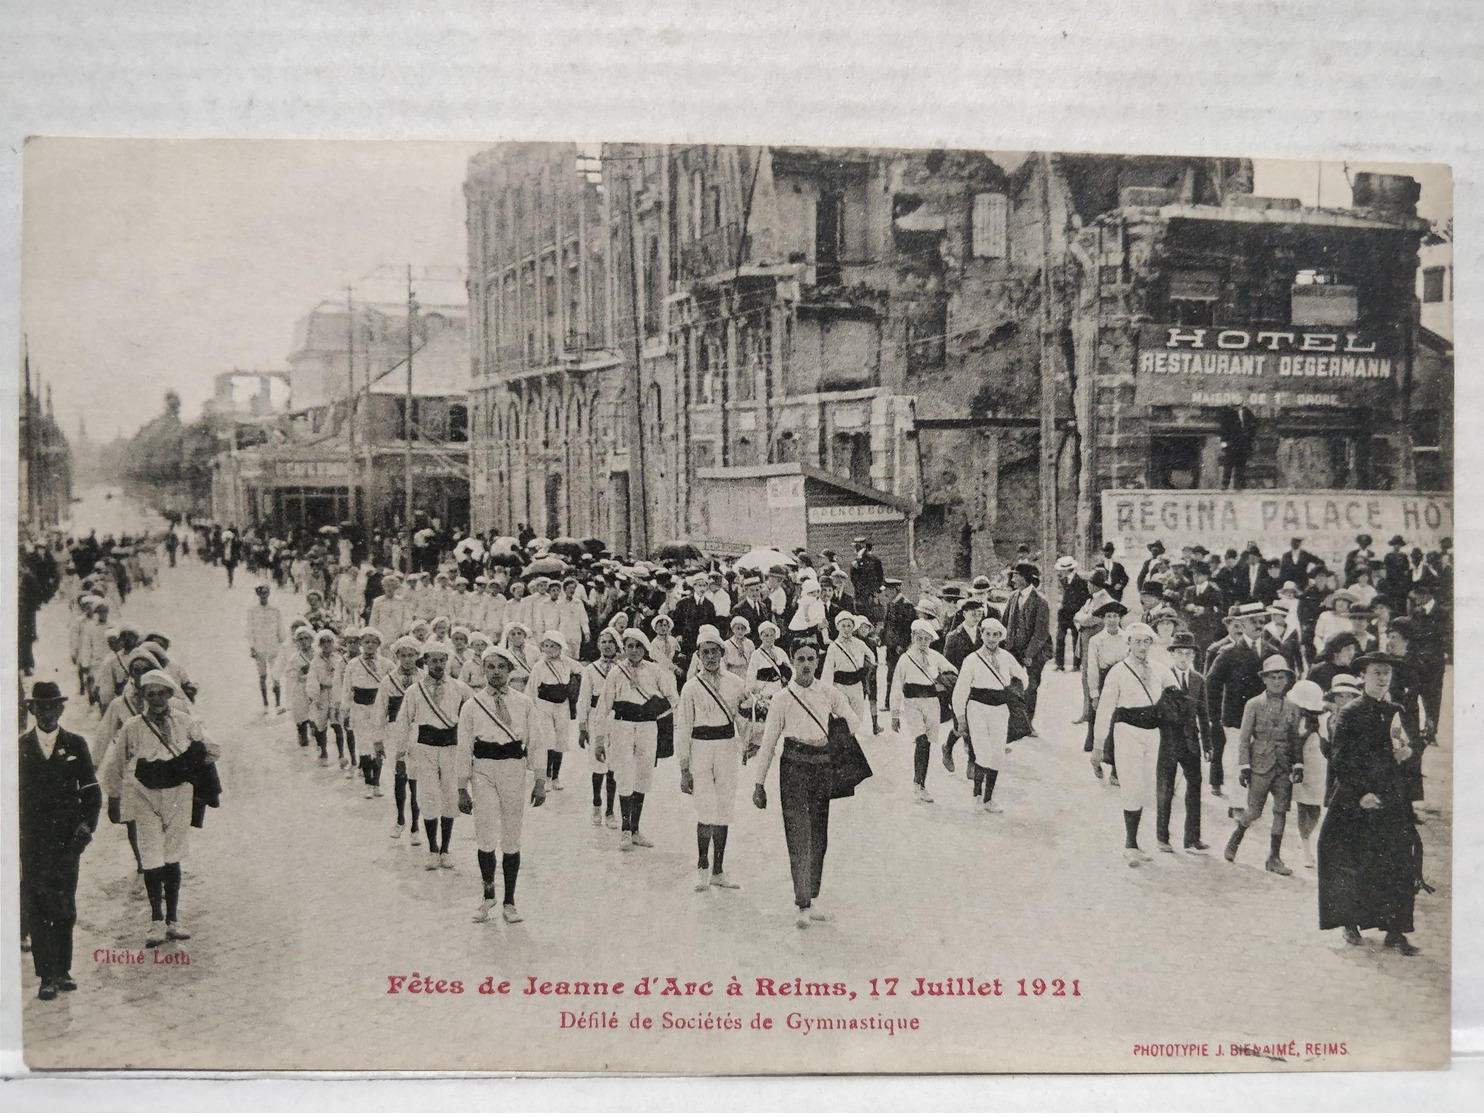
638,466
28,435
407,424
1048,381
350,408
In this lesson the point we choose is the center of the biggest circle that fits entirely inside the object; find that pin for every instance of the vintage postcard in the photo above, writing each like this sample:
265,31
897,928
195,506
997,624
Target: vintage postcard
716,609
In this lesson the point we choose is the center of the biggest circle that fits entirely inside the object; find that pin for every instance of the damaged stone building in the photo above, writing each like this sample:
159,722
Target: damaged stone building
937,349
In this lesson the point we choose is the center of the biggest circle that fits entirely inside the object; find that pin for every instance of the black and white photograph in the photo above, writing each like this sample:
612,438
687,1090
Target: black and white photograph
886,556
658,603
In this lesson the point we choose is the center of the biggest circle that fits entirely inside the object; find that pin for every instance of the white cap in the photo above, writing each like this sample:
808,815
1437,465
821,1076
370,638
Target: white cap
708,635
556,638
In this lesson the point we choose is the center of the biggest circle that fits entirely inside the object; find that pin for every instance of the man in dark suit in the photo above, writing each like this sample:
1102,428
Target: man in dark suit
1253,582
1235,676
753,608
1181,748
1397,583
1028,628
1358,559
896,627
1156,550
1296,563
1203,605
1117,576
1075,593
1432,635
960,643
690,613
59,805
866,573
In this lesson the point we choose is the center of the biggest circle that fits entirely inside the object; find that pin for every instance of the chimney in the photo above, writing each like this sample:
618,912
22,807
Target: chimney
1386,195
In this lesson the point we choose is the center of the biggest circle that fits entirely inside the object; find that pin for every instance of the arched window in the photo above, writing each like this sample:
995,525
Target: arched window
513,426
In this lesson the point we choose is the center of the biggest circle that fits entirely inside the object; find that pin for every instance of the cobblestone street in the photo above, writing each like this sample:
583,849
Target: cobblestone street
301,906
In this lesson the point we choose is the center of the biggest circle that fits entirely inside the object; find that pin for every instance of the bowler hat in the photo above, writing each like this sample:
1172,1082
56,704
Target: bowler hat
1029,571
1396,541
45,691
951,593
1183,640
1372,659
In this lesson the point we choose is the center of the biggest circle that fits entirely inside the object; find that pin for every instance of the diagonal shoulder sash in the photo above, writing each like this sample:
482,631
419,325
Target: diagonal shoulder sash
438,713
805,707
722,706
494,718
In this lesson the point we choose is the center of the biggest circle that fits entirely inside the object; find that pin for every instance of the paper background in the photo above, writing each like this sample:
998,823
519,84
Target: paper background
1376,81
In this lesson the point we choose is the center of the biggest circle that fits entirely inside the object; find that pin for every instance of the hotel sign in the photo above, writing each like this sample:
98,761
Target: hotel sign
1268,368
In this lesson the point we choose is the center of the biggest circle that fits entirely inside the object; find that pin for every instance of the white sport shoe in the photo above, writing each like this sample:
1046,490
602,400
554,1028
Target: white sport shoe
801,918
511,915
703,879
445,861
370,793
719,880
157,935
324,762
991,807
626,841
483,912
343,763
417,836
432,861
556,785
350,773
177,932
641,841
818,916
920,794
597,816
610,820
376,791
397,831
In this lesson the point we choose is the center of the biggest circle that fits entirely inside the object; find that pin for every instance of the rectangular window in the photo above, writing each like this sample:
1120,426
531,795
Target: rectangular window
991,226
1433,285
1324,304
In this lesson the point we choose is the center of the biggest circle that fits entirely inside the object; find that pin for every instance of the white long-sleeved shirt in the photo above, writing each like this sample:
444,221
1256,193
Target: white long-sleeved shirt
546,672
359,675
594,675
394,685
431,703
787,718
1126,687
136,741
918,667
847,653
479,720
264,630
982,670
626,683
699,707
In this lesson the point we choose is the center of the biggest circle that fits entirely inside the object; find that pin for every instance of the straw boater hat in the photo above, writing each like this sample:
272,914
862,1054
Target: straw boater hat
1345,684
1066,562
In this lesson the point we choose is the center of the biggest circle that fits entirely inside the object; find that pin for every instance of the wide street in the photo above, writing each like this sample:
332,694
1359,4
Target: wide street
302,907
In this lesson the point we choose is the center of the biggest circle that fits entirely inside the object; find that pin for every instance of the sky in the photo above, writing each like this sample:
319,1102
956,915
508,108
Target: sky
149,265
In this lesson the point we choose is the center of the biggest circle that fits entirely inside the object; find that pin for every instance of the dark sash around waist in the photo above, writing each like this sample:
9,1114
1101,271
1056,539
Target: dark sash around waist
437,736
363,695
801,753
712,732
551,692
634,711
919,690
1140,717
850,678
767,674
989,697
159,774
488,750
393,706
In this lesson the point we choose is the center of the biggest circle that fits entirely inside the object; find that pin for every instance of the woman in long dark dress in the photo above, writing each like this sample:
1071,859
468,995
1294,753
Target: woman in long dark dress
1370,855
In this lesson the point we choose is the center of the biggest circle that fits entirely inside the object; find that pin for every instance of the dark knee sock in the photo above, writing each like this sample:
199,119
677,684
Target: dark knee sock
612,784
277,694
263,689
625,814
920,760
172,891
430,827
303,734
511,867
636,808
447,825
350,744
1131,829
339,732
553,764
487,872
991,775
597,789
1275,845
133,832
703,844
399,796
718,848
154,885
322,740
412,798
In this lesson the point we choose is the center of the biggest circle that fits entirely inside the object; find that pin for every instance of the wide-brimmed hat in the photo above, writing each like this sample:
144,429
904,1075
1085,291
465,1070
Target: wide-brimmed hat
1183,640
1066,562
1274,665
1307,695
1117,607
1373,659
1249,611
1029,571
45,691
1344,684
1396,541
